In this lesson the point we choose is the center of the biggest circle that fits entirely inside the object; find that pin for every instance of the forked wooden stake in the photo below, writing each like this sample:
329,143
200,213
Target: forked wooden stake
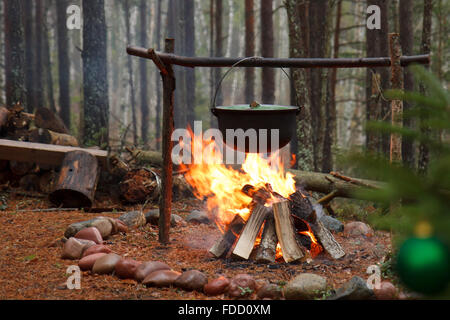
224,244
285,232
247,239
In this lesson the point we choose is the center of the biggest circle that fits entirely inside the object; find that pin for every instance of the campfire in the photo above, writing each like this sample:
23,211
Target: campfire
260,211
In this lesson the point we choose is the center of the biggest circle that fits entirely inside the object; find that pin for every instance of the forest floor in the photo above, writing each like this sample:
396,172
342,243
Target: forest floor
31,266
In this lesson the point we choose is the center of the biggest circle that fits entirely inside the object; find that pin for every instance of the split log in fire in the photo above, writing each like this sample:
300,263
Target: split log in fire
290,229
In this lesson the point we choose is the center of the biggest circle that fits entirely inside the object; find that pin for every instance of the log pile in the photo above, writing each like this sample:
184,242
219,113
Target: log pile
282,227
41,127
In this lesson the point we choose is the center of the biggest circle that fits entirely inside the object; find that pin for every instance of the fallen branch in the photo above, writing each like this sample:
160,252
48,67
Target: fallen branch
327,183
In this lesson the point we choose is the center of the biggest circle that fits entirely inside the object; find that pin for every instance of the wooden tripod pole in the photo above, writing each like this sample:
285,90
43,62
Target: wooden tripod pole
168,127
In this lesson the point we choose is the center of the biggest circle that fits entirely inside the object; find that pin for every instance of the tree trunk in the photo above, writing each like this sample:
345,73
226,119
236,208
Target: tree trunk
63,62
424,151
318,13
158,79
407,43
48,63
249,50
189,18
330,106
384,72
29,54
218,49
212,79
298,12
396,105
143,73
14,53
126,8
267,51
95,81
38,76
377,46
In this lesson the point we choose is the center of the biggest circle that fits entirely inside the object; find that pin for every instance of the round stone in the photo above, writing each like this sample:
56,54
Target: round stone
241,286
148,267
191,280
305,286
88,262
98,248
90,233
106,264
217,286
161,278
126,268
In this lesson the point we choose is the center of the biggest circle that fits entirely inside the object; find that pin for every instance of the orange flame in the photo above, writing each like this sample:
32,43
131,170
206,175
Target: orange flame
316,248
222,185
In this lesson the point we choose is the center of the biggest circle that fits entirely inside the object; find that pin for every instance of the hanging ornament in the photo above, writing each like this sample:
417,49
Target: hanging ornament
423,264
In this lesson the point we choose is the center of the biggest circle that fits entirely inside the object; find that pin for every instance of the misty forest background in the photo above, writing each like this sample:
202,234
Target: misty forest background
108,98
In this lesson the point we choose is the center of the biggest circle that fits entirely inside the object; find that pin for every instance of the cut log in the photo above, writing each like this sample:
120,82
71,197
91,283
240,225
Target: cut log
259,196
247,238
117,167
4,165
77,182
47,182
17,119
326,183
4,114
325,237
46,119
20,168
285,232
50,137
268,247
30,182
143,157
42,153
300,205
224,244
302,208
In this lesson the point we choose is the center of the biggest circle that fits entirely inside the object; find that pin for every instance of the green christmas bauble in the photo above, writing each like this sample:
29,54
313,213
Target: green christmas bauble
423,264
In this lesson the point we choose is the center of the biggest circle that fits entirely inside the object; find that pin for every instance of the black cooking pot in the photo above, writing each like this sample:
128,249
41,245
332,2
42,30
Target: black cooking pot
257,117
245,117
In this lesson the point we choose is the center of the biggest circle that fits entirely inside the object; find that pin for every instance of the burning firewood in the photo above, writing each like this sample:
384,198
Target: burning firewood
302,208
248,236
285,231
268,246
224,244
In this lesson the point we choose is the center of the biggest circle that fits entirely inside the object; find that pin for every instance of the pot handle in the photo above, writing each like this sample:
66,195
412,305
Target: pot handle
255,58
